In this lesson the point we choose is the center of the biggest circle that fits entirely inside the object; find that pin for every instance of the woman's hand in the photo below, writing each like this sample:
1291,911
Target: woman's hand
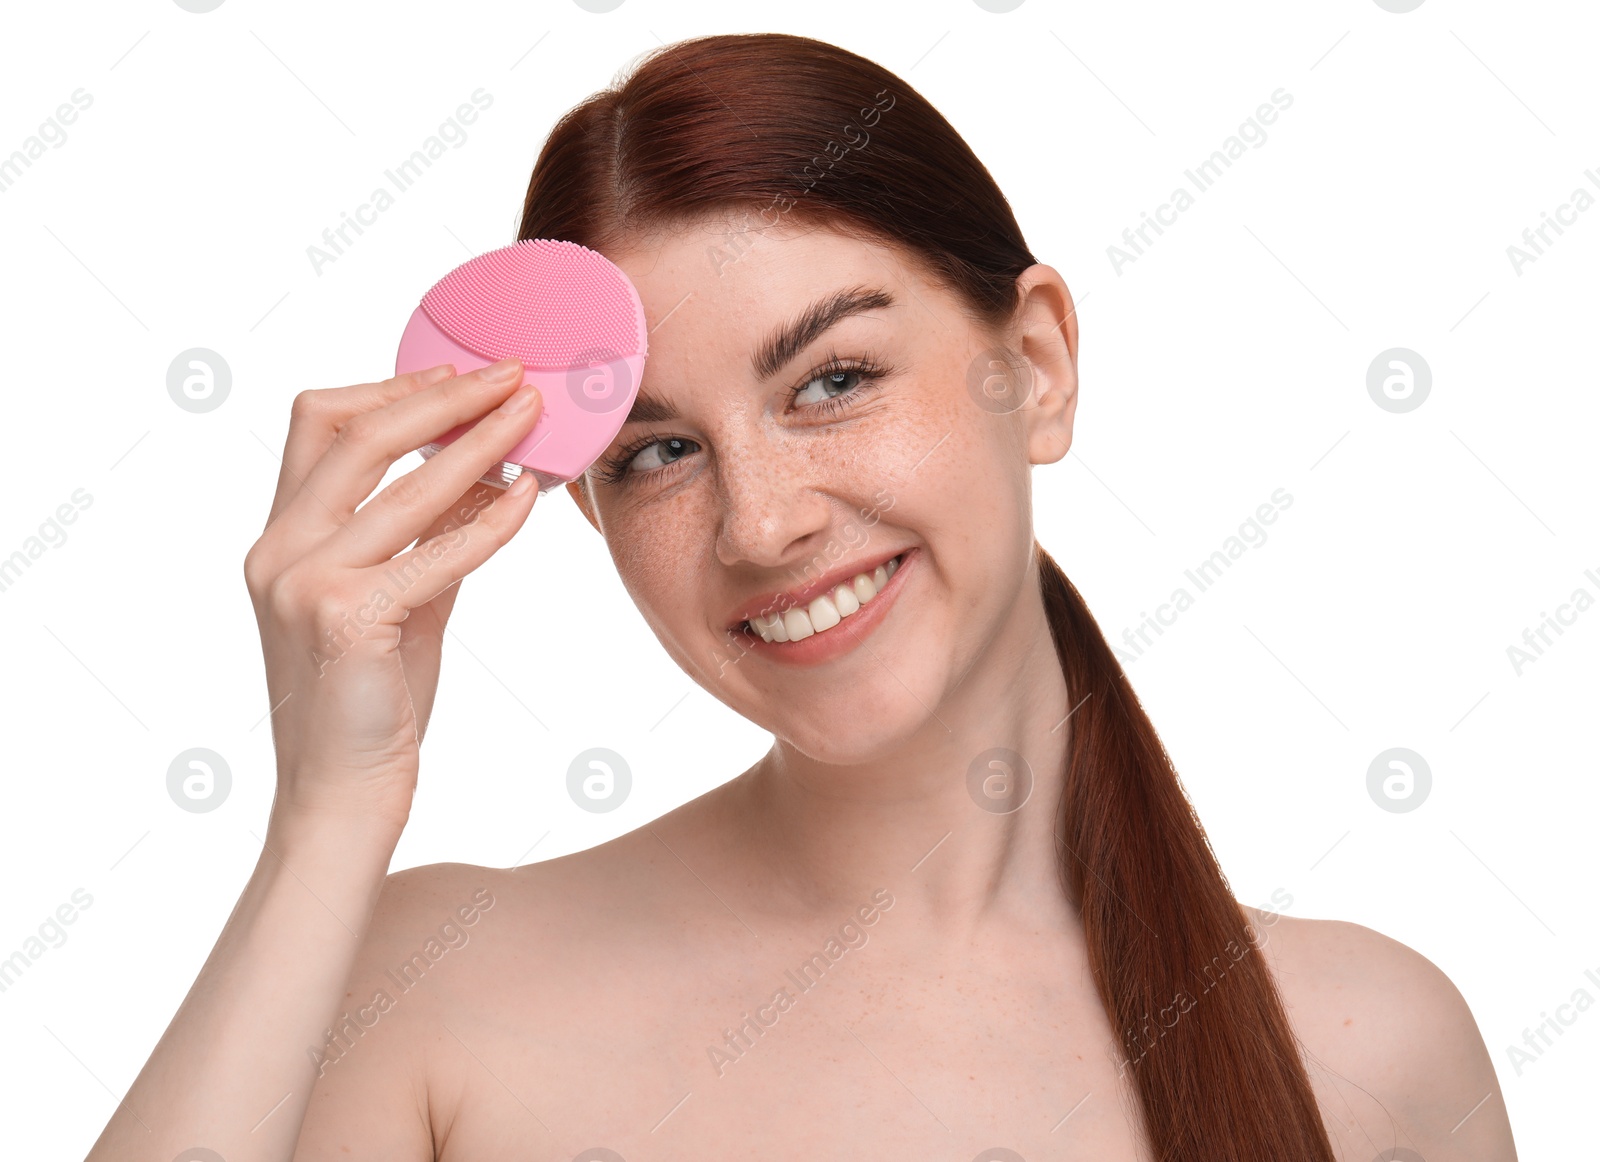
349,630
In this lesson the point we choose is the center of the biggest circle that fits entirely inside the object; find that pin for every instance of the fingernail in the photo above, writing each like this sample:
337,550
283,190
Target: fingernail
501,372
434,374
521,399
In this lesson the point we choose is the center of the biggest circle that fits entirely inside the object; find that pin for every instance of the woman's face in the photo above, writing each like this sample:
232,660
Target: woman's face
886,432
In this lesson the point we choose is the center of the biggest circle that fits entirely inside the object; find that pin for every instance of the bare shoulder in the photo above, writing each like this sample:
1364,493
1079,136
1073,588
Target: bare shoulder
370,1088
543,919
443,945
445,972
1391,1045
597,891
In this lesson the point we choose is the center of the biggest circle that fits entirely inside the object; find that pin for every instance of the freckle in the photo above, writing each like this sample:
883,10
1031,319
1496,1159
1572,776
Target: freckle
1349,1020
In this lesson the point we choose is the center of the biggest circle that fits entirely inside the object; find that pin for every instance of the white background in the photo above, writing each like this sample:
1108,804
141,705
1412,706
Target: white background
1228,361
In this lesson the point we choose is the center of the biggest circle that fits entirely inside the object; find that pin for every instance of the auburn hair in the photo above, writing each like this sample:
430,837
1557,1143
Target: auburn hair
788,128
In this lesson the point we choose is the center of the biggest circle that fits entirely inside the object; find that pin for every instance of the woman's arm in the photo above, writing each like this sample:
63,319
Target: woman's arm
350,633
233,1072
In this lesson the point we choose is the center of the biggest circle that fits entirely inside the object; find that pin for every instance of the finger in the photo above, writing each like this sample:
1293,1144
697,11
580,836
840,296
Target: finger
476,497
366,446
417,577
396,516
319,413
474,500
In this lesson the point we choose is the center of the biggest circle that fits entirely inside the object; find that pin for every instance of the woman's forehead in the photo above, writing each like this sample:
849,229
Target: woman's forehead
703,301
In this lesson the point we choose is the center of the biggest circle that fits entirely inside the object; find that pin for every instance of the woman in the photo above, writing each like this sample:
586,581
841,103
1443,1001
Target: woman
961,908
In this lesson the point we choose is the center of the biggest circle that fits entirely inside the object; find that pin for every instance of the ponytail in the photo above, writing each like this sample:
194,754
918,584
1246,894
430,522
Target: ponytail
1201,1027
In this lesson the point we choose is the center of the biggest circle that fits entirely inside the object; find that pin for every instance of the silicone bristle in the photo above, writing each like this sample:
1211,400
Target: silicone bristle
549,303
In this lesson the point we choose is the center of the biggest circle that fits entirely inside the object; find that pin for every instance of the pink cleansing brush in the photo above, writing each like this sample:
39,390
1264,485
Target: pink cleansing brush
573,319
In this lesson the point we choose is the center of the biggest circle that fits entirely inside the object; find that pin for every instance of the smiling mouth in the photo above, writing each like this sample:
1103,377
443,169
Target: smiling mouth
825,612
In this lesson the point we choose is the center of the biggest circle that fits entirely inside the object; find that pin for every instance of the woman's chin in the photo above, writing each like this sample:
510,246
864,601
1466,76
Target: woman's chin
843,732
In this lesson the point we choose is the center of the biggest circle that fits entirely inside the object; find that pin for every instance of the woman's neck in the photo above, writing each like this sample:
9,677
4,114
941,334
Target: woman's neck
935,820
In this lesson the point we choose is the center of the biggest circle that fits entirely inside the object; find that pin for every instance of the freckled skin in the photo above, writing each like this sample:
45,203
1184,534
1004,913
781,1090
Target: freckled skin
768,487
590,1005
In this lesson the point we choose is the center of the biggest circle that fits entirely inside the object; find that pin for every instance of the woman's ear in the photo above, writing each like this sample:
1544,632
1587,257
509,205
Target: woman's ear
1047,335
580,495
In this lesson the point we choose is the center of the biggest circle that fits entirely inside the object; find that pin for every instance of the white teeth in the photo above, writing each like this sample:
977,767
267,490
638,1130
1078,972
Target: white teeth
825,611
798,625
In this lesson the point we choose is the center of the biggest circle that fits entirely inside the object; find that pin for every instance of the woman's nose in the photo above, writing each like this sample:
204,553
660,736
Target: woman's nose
770,503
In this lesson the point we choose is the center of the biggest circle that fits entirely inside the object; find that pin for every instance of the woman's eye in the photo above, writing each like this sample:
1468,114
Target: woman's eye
824,395
829,380
661,452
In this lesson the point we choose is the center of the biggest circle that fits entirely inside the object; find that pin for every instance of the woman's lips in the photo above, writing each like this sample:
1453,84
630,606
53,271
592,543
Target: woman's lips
768,604
824,645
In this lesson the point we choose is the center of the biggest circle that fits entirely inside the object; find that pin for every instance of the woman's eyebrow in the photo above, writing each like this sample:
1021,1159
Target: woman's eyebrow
782,346
793,338
647,409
